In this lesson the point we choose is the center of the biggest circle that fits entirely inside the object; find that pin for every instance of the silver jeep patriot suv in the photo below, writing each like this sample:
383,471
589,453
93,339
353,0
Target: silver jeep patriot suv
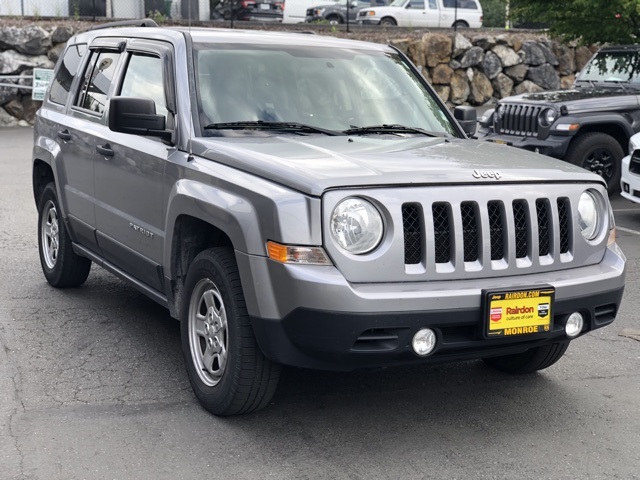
305,200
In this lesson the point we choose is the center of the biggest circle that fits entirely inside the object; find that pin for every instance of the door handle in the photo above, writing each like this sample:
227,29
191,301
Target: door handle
105,150
64,135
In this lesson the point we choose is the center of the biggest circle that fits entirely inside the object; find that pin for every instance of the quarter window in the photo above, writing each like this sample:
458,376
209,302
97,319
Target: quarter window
66,73
144,79
97,82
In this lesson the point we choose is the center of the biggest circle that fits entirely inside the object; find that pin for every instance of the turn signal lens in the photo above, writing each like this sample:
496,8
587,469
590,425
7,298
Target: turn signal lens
297,254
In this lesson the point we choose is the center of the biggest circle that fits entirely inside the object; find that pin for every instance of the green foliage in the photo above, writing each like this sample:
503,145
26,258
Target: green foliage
493,12
587,21
157,16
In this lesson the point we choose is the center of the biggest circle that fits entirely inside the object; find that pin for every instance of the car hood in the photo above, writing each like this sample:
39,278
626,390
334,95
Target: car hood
313,164
580,99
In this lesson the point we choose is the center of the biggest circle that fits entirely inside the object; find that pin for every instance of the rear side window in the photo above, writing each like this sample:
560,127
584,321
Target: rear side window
467,4
61,85
144,78
97,82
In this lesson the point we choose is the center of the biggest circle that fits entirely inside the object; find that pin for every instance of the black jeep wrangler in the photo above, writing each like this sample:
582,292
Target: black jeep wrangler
589,125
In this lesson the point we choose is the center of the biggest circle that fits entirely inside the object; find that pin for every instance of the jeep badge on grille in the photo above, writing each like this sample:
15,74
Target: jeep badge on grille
486,174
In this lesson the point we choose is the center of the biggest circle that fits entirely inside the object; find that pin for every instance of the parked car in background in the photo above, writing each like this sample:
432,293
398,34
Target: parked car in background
589,125
336,12
630,177
261,10
421,13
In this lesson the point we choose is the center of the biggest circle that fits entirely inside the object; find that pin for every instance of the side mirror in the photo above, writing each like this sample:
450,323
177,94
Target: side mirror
467,118
137,116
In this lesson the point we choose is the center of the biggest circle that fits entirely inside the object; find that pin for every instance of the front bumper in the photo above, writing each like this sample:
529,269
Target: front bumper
311,317
373,21
629,182
553,146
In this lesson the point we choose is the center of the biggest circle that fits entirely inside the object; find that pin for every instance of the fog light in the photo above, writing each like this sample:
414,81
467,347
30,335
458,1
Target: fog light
424,341
574,325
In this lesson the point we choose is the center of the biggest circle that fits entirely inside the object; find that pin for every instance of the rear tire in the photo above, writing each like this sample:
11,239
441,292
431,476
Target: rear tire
61,266
388,21
460,24
227,371
530,361
599,153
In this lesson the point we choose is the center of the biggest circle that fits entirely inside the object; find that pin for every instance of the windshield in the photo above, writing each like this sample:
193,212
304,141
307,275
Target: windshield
398,3
329,88
612,67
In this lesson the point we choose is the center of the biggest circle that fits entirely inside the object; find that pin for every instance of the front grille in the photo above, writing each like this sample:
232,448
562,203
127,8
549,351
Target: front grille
513,229
519,120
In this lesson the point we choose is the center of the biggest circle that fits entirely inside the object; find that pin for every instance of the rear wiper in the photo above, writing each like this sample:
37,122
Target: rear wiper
392,129
262,125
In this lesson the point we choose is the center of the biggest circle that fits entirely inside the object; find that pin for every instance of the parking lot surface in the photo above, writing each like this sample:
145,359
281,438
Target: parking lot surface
93,386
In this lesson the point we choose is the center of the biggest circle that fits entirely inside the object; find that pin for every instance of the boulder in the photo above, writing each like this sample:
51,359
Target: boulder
491,65
441,75
517,72
12,62
437,48
502,85
566,82
549,56
61,34
8,94
508,57
582,56
7,120
516,43
504,39
455,65
30,40
485,42
55,52
481,89
527,87
545,76
443,91
416,53
533,53
401,44
472,57
566,59
459,88
460,45
14,108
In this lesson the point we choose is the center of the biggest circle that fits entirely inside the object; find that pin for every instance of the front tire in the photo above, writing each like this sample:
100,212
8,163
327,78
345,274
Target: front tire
532,360
388,22
227,371
599,153
60,264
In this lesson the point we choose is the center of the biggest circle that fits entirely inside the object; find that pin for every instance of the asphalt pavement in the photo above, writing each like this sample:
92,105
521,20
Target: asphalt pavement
92,386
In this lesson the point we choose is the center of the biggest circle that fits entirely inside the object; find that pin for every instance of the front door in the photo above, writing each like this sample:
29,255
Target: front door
130,209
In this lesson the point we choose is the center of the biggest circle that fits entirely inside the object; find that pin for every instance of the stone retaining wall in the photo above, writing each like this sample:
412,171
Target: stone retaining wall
473,68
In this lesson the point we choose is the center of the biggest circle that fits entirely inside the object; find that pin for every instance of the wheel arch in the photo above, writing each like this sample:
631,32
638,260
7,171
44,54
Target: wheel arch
389,17
615,128
42,175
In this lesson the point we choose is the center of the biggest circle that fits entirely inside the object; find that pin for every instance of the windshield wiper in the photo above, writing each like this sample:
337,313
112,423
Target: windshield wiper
392,129
262,125
617,82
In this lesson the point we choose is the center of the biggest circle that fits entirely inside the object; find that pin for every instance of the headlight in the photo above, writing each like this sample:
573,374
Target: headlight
356,225
634,143
589,216
319,12
487,117
547,117
500,110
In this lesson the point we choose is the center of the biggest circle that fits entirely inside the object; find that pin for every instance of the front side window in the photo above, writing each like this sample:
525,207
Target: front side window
144,78
69,64
97,82
330,88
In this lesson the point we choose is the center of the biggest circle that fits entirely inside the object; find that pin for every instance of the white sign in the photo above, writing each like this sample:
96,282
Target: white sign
41,79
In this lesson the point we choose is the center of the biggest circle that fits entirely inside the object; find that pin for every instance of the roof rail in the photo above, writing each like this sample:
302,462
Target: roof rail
145,22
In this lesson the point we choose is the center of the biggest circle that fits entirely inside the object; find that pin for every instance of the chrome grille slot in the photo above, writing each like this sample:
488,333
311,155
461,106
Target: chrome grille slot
544,227
470,231
520,222
563,221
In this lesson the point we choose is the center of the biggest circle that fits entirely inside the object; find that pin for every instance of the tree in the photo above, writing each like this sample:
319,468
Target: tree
587,21
493,13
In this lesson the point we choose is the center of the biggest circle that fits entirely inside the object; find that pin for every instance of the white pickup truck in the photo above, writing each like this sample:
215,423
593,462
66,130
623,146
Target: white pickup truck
421,13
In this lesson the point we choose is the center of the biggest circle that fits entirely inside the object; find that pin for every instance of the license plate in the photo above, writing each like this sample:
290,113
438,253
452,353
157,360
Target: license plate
265,6
518,312
500,142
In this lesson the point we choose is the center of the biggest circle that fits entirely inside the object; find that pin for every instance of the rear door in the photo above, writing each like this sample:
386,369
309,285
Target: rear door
415,15
129,172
